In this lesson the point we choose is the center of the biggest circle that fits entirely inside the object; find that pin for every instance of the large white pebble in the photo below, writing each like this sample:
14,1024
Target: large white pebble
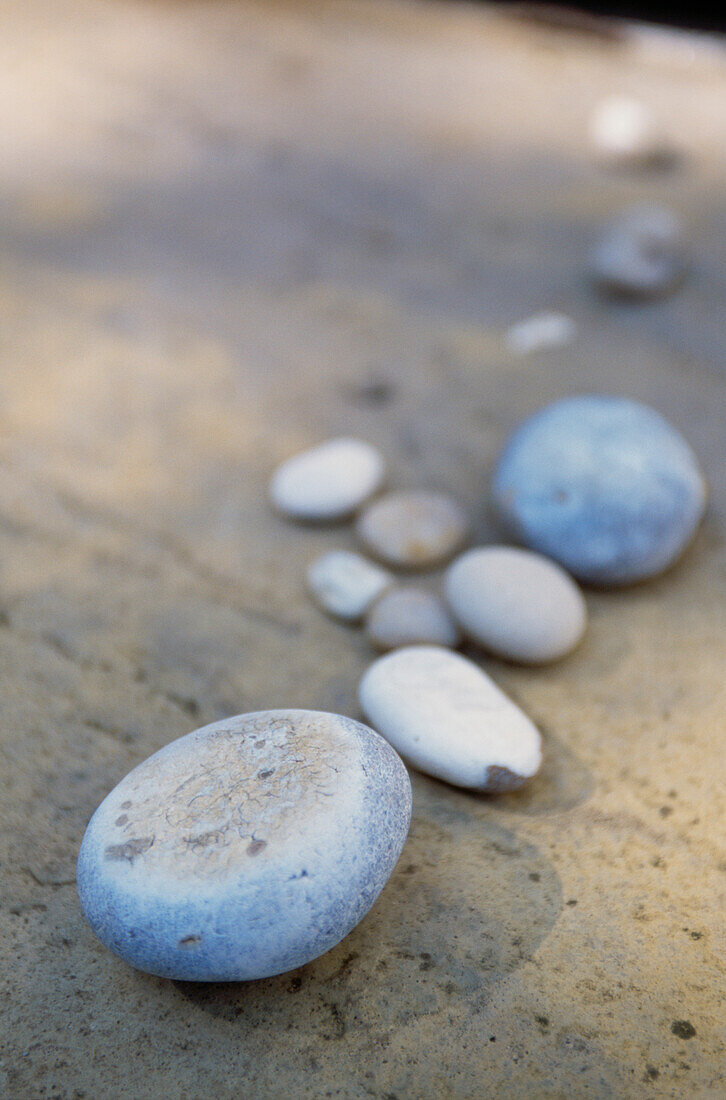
246,848
328,482
346,584
449,719
518,604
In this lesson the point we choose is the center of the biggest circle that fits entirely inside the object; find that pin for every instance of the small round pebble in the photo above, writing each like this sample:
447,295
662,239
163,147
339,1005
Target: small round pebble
641,253
539,332
516,603
625,132
410,616
604,485
412,530
345,584
446,716
329,482
246,848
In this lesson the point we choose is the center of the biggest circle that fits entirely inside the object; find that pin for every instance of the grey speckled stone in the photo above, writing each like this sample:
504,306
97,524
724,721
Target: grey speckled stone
246,848
448,718
410,616
413,529
641,253
604,485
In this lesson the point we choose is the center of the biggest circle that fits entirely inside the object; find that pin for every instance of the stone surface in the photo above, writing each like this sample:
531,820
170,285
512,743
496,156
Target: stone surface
231,229
641,254
604,485
410,616
412,530
345,584
328,482
540,331
626,133
517,604
246,848
449,719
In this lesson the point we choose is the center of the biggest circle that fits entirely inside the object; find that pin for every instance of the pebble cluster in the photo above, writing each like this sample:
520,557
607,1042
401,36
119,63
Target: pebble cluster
251,846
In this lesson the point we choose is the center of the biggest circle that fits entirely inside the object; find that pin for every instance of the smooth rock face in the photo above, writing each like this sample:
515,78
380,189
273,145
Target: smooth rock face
328,482
345,584
625,132
641,254
516,603
246,848
604,485
412,530
447,718
410,616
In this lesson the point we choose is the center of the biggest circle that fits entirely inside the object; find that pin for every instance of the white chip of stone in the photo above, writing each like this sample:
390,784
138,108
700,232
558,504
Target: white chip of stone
518,604
328,482
246,848
413,529
410,616
345,584
641,253
625,131
449,719
540,331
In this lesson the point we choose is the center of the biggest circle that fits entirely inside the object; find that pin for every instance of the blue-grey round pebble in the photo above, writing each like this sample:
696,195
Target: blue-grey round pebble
604,485
246,848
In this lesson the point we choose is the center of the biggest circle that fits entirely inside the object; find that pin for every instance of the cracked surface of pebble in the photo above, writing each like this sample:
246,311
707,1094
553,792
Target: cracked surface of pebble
245,848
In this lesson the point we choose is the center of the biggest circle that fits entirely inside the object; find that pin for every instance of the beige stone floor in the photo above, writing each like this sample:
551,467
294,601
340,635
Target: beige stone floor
227,231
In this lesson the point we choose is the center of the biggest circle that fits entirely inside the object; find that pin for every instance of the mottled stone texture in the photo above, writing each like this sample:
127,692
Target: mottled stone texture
228,231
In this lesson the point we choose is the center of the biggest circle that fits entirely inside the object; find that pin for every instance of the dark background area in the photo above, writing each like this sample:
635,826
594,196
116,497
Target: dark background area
698,15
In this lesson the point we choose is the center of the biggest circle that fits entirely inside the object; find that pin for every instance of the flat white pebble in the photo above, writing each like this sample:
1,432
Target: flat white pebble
345,584
624,131
413,530
246,848
542,330
516,603
604,485
449,719
410,616
329,482
641,253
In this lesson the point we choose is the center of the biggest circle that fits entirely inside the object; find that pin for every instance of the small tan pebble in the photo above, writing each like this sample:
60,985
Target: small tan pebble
412,530
329,482
345,584
641,254
518,604
410,616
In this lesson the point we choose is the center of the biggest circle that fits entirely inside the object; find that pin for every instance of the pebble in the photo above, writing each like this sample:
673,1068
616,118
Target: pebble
345,584
516,603
329,482
413,530
625,132
641,254
246,848
444,715
410,616
542,330
604,485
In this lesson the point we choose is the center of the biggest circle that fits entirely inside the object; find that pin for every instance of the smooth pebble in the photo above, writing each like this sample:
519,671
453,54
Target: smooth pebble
446,716
641,254
625,132
540,331
516,603
413,530
329,482
604,485
345,584
410,616
246,848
